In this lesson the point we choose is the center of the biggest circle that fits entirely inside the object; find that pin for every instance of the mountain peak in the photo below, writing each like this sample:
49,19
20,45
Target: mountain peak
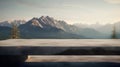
34,18
34,22
46,21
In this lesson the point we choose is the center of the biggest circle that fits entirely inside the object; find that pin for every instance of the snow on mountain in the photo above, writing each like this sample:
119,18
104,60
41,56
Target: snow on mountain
46,22
9,24
34,22
48,27
42,24
45,27
18,22
5,23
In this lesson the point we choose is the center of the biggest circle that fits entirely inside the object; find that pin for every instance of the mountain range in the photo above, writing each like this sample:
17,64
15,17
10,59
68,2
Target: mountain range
48,27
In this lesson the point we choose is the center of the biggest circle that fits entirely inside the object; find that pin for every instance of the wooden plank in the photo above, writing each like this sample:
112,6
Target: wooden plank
60,42
84,58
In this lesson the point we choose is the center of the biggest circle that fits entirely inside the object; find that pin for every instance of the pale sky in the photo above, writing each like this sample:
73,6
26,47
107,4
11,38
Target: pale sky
71,11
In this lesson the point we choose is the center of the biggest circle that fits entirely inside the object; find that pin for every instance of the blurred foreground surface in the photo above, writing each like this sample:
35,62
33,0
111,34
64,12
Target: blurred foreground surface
60,42
60,61
73,58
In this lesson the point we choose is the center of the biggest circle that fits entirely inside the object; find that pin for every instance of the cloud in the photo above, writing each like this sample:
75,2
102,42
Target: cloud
113,1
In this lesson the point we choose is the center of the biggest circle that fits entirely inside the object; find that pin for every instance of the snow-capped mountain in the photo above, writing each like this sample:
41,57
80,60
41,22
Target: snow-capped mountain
5,23
46,22
9,24
48,27
40,24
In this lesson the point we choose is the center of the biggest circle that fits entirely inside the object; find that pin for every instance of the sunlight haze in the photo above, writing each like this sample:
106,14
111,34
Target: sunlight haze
71,11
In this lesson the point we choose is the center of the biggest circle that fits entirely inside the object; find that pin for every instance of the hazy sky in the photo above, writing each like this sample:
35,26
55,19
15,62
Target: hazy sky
72,11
